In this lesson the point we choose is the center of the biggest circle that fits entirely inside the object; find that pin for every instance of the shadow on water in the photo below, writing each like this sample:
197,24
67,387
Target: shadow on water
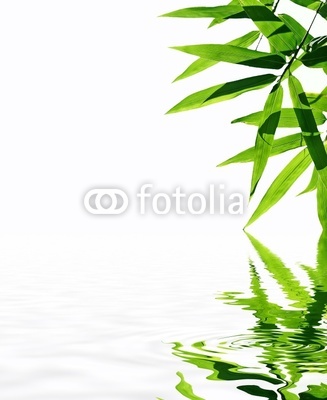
289,342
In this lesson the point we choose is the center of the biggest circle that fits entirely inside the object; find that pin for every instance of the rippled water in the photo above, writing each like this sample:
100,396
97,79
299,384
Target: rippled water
284,354
143,317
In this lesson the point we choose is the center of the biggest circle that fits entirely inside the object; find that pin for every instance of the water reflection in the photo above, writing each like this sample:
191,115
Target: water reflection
289,342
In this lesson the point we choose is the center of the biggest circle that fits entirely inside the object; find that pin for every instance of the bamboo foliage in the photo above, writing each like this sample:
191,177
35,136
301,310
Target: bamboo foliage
292,46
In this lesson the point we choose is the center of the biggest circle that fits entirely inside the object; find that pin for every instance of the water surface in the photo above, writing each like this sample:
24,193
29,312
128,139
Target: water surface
146,317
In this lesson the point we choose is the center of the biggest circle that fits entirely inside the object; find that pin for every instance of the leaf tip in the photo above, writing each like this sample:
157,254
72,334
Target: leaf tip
178,78
171,111
250,222
164,15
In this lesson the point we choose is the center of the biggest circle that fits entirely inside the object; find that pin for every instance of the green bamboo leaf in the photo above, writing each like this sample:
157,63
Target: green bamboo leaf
222,92
312,185
186,389
235,55
288,118
280,186
299,31
318,101
323,11
307,123
224,12
219,20
281,145
311,4
235,88
268,3
202,64
266,133
316,43
199,65
278,34
316,59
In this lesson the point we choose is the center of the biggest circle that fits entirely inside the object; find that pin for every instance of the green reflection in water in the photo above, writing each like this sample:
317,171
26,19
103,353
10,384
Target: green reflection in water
289,343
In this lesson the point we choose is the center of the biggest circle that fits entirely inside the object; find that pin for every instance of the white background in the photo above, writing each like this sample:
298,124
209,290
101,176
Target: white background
84,90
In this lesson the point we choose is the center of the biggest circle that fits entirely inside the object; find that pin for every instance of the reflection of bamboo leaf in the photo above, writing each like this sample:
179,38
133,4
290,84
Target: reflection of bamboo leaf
315,392
222,370
318,276
258,391
265,311
282,275
186,389
286,354
321,270
286,395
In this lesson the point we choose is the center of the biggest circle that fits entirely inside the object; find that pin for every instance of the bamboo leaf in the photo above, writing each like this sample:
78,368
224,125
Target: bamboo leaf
266,133
316,43
224,12
283,182
267,3
299,31
323,11
307,123
288,118
278,34
199,65
235,88
279,146
222,92
235,55
311,4
245,40
202,64
316,59
312,185
219,20
318,101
